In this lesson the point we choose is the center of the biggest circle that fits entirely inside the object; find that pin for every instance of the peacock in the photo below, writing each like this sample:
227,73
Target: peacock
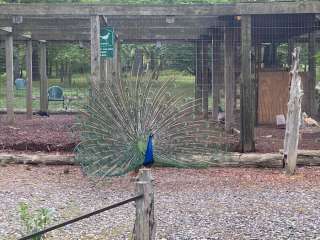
129,123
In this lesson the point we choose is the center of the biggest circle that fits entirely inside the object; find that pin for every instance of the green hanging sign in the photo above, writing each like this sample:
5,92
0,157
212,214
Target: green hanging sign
107,42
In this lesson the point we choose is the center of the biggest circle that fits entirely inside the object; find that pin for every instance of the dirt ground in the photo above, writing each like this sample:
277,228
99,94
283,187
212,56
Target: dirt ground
56,133
190,204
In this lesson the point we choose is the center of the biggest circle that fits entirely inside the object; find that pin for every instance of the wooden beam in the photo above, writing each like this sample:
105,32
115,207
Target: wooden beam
151,34
29,78
10,80
117,22
229,76
44,9
247,106
43,78
95,52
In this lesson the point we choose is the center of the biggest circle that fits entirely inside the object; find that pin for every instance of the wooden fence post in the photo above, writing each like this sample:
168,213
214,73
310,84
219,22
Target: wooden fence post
95,53
247,88
144,228
29,78
43,77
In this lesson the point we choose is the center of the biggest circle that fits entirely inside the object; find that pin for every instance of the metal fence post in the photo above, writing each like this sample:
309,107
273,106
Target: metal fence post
144,228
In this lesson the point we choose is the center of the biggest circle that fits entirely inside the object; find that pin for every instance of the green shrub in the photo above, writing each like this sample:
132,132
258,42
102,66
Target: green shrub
34,221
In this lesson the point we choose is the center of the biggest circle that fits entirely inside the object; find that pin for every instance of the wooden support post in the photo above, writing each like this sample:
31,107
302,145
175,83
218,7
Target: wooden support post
293,117
9,73
111,66
118,58
108,71
205,78
256,68
95,53
29,78
217,76
311,98
144,228
43,78
198,78
215,47
247,88
103,73
229,76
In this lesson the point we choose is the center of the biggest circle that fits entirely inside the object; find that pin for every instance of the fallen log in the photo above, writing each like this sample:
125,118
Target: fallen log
37,158
264,160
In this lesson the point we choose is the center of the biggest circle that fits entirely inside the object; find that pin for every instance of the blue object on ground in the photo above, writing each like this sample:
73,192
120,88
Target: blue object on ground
148,158
20,84
55,93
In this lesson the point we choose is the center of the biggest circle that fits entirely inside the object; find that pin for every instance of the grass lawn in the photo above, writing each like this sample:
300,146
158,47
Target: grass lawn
77,94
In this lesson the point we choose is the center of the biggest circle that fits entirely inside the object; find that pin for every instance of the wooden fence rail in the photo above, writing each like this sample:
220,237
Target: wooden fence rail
144,228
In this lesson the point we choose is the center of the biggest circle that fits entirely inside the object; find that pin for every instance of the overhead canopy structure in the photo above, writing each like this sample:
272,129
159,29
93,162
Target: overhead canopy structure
239,30
71,22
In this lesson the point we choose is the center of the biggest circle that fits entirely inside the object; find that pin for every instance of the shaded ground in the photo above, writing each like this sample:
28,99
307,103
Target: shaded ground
55,134
270,139
216,203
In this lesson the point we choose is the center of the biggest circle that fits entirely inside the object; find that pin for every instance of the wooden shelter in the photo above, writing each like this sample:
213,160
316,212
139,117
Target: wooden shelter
234,43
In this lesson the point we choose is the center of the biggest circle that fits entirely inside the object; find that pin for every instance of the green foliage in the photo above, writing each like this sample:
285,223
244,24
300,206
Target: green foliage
69,53
36,221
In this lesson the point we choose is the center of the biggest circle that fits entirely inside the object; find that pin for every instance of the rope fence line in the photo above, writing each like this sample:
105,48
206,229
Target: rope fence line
60,225
144,228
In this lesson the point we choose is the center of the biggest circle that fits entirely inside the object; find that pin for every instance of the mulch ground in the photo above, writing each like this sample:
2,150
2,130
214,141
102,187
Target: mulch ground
190,204
47,134
55,133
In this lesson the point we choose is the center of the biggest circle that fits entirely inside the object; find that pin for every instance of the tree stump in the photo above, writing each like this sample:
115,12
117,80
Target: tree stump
293,117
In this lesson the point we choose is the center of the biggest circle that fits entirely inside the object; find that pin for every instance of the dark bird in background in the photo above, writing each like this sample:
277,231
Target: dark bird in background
42,114
284,159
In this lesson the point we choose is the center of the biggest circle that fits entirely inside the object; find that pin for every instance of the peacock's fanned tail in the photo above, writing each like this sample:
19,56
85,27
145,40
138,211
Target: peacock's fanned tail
121,116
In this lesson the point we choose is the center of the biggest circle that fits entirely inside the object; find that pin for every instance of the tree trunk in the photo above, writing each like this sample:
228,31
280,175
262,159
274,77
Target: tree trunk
137,67
49,68
62,73
293,117
16,64
57,69
152,61
35,64
70,75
